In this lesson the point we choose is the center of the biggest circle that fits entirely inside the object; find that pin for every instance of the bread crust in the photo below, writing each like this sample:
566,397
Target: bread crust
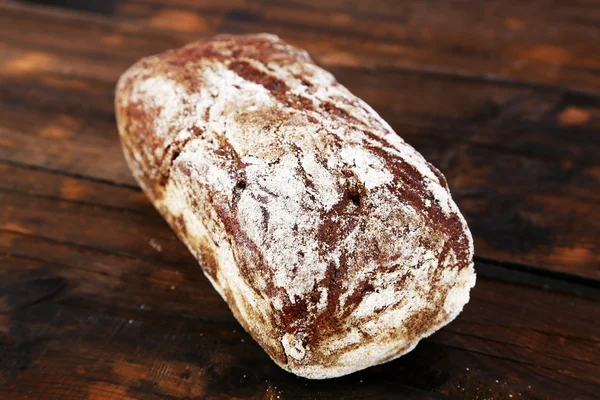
336,245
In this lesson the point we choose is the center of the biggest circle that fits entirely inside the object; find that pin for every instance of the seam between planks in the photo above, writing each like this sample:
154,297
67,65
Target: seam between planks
70,174
548,277
75,202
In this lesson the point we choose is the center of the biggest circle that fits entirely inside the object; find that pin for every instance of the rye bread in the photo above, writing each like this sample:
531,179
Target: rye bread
336,245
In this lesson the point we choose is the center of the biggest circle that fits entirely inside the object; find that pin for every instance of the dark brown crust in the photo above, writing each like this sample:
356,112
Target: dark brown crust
277,87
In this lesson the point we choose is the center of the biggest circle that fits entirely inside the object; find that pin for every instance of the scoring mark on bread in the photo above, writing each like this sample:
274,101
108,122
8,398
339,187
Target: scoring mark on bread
278,88
332,109
173,151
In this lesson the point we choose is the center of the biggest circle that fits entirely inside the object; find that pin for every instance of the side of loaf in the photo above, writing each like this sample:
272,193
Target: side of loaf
336,245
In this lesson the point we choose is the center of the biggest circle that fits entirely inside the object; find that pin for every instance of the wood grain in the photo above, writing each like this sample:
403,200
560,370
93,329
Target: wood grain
98,299
551,41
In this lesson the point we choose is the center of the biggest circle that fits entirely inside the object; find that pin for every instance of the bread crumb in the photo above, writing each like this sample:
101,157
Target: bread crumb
155,245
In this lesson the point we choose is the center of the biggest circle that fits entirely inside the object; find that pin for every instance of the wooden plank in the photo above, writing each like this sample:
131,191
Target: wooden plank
79,322
41,183
505,41
550,41
535,122
143,235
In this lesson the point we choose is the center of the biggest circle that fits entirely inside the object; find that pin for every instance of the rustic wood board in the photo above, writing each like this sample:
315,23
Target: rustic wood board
98,299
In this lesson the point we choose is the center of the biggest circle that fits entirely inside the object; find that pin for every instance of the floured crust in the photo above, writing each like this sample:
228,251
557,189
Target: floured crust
336,245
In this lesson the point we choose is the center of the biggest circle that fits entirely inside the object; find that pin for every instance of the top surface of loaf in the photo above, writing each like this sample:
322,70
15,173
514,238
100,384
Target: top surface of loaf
333,211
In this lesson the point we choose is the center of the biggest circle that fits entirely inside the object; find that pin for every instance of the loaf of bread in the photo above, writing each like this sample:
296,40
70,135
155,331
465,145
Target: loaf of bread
336,245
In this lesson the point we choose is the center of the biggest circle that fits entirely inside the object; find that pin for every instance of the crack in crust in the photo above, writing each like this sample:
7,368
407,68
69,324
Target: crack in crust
336,245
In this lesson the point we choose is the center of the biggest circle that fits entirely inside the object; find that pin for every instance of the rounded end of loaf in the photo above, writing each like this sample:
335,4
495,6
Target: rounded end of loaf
386,345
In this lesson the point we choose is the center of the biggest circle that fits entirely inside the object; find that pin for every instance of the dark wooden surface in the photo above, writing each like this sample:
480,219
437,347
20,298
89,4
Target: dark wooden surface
99,300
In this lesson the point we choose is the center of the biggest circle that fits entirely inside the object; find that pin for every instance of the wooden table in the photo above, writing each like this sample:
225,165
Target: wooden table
99,300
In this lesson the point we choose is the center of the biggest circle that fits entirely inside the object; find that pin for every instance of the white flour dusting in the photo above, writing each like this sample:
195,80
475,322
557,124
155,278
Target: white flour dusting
284,170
